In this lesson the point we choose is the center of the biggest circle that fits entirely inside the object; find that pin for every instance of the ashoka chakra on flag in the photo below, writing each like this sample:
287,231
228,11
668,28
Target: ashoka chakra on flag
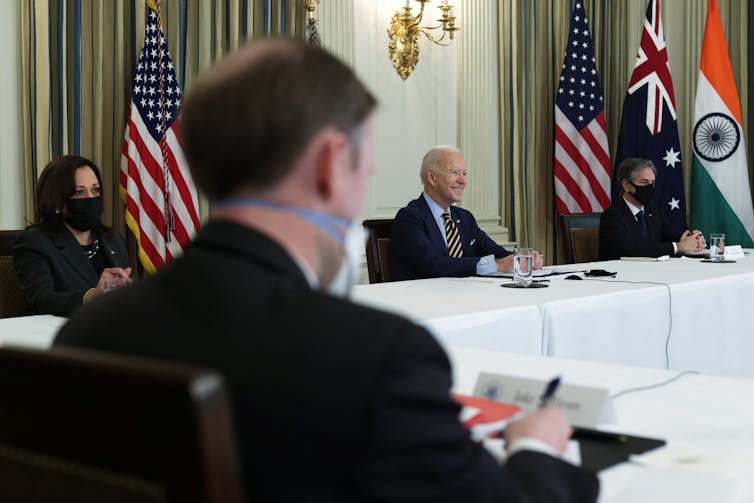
716,137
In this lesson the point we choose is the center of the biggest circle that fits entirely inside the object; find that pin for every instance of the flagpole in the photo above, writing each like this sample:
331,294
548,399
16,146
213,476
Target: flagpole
169,215
312,22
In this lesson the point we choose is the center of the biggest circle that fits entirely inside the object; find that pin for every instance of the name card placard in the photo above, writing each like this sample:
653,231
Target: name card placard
583,405
734,252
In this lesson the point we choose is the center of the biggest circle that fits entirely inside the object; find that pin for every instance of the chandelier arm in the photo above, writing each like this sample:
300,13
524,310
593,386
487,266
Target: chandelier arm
437,41
420,16
433,27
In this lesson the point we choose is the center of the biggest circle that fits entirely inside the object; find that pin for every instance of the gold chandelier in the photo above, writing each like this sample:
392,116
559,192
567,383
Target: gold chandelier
404,33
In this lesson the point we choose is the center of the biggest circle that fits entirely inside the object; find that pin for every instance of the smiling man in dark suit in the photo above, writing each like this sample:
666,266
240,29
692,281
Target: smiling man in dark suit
633,227
419,243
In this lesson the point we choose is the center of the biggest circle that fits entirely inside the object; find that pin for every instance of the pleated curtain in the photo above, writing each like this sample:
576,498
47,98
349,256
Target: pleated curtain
78,61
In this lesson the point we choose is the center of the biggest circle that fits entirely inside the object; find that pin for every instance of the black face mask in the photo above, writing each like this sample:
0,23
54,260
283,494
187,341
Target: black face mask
643,193
84,214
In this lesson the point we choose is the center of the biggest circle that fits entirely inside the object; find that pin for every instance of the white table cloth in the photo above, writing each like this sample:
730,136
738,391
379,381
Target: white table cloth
677,314
709,420
30,331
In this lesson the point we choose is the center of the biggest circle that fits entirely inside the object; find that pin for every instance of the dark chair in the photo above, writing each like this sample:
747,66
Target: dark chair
378,249
580,237
12,302
83,426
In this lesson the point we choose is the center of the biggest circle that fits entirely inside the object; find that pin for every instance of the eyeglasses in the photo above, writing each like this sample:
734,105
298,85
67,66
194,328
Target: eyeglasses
457,172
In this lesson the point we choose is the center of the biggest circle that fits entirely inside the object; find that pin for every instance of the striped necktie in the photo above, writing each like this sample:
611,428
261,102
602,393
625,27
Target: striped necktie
452,236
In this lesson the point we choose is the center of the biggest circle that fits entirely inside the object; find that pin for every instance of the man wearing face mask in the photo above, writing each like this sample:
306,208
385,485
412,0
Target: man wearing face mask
633,227
332,401
68,256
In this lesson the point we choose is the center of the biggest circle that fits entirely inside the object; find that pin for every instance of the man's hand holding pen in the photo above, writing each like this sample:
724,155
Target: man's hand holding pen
548,424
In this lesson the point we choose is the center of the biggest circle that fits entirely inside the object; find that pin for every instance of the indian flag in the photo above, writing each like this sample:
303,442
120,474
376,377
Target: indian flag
720,194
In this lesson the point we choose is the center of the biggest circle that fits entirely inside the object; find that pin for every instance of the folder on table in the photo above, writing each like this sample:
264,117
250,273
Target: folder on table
484,417
601,449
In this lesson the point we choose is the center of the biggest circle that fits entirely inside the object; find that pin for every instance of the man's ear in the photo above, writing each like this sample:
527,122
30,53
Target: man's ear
431,178
329,156
625,185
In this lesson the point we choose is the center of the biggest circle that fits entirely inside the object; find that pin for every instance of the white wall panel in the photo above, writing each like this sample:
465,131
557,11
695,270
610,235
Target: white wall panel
413,115
12,198
479,111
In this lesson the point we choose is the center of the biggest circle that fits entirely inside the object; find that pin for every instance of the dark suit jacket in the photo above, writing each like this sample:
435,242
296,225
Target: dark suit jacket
54,271
332,401
417,249
620,234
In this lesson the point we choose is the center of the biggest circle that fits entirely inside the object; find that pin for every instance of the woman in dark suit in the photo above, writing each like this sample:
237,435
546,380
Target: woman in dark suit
68,256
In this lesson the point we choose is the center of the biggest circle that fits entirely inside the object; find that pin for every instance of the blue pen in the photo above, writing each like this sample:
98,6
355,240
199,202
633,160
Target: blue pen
549,392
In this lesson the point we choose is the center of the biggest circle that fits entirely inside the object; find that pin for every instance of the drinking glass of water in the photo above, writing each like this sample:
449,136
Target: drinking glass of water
523,259
717,247
114,283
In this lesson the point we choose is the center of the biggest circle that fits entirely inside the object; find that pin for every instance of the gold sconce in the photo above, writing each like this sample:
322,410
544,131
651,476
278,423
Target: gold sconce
404,33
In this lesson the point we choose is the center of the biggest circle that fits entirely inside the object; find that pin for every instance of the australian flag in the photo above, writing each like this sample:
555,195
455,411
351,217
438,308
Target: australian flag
649,127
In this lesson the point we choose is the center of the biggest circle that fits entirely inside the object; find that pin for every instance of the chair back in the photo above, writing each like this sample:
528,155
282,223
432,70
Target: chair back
12,302
586,242
580,237
83,426
378,249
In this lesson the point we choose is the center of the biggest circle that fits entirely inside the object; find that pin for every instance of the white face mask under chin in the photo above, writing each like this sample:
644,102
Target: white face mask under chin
350,267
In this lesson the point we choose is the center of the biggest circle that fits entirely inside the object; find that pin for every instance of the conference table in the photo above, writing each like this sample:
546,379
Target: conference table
681,314
707,422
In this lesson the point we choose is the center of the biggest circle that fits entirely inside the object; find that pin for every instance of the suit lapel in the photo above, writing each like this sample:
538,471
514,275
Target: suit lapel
432,230
71,252
111,254
630,220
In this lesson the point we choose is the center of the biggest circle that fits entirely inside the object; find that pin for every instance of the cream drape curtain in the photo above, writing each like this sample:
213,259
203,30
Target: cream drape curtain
531,44
78,60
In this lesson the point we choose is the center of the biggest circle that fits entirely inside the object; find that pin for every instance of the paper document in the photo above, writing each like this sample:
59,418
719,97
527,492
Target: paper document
661,258
537,273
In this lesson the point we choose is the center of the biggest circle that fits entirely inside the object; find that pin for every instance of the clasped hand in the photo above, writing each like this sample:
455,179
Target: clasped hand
112,278
691,241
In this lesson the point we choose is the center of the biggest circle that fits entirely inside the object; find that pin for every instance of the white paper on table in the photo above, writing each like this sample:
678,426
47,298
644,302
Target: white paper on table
734,252
661,258
536,273
467,413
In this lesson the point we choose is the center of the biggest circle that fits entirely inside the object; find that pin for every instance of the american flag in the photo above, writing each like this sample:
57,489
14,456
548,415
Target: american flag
155,183
649,126
582,157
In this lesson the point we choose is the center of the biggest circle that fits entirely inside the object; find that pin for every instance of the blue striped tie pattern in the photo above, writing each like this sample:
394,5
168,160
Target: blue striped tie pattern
453,237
